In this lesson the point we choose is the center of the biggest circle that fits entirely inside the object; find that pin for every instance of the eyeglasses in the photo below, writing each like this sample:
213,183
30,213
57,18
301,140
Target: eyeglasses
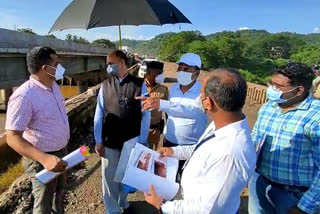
277,87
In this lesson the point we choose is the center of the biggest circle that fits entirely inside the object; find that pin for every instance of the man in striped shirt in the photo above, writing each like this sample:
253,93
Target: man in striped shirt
38,129
287,178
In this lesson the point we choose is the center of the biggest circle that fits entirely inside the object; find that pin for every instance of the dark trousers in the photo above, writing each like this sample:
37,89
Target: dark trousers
266,196
48,198
167,143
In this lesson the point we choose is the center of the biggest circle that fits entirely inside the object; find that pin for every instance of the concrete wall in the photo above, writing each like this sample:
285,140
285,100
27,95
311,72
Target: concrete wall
257,93
19,42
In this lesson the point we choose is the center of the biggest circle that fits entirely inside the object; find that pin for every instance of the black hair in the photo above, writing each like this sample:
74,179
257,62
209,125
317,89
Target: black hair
230,94
121,55
37,57
298,73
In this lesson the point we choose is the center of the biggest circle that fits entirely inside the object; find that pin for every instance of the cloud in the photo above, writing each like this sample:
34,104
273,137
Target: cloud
243,28
316,30
140,37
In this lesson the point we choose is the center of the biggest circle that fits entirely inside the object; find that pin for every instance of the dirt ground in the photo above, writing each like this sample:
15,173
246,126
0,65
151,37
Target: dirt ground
86,196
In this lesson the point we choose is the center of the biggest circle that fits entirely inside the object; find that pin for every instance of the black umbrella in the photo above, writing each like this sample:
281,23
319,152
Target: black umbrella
87,14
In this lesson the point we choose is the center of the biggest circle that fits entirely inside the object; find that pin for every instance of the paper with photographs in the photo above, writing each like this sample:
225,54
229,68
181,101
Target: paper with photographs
140,167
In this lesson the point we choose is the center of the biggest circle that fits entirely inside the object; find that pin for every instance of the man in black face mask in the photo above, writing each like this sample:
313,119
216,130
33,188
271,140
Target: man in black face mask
118,118
287,178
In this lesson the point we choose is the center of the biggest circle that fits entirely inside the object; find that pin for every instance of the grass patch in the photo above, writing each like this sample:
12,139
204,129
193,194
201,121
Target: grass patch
8,177
8,157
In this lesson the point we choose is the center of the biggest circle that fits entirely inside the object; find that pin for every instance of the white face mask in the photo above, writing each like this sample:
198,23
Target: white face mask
160,78
59,72
184,78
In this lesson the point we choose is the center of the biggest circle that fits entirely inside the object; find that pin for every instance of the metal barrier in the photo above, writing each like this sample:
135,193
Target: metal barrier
257,93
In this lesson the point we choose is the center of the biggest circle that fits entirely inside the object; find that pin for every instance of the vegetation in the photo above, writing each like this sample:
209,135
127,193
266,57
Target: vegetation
8,177
26,30
104,43
254,52
74,38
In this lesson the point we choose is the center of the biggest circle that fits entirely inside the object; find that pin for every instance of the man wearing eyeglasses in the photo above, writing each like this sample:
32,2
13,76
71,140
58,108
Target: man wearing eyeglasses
186,119
287,178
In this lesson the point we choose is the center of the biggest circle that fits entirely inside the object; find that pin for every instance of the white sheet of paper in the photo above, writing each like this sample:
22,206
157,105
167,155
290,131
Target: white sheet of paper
74,158
124,159
143,167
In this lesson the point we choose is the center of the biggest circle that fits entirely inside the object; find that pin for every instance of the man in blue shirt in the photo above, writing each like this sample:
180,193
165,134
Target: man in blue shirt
118,118
287,178
186,119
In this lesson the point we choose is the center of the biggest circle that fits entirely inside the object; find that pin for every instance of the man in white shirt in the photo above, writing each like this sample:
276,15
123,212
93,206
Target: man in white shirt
186,119
221,163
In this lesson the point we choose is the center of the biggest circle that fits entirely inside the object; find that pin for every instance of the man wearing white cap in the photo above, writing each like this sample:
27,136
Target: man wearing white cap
186,119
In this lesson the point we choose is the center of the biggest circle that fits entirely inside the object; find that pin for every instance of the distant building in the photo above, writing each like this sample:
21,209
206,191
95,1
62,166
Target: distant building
126,49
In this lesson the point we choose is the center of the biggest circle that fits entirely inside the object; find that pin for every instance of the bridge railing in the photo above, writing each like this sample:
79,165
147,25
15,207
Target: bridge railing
257,93
19,42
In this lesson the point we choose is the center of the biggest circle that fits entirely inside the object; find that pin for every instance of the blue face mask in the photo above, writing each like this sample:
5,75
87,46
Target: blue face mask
113,69
275,96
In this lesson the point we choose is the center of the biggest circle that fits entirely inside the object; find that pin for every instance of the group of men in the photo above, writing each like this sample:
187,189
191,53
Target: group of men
216,161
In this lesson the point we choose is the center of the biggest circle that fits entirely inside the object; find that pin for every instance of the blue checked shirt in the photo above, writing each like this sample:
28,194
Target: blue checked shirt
291,152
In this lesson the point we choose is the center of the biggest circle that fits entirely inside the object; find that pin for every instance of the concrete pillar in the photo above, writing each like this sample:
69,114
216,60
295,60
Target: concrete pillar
82,86
4,98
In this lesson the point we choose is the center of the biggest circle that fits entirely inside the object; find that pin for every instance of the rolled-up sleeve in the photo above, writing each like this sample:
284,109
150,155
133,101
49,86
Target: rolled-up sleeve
19,114
99,117
183,152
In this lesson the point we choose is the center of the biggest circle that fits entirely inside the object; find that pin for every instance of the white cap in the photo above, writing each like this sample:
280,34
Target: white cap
190,59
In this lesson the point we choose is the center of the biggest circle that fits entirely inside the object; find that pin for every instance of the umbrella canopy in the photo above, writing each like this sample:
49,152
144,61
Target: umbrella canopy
86,14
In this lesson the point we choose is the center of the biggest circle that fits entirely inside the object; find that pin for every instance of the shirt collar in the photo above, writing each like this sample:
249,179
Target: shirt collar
39,84
121,79
231,128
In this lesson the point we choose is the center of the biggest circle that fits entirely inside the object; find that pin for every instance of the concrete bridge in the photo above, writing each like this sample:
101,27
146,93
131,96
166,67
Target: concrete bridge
84,63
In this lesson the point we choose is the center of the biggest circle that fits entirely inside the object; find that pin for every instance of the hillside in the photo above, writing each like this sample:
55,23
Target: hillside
152,47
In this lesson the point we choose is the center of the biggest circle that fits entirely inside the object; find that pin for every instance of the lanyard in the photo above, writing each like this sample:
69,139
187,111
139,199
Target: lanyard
203,141
197,147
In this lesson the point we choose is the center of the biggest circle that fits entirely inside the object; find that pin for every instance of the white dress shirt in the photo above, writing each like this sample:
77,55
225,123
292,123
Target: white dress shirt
216,173
186,120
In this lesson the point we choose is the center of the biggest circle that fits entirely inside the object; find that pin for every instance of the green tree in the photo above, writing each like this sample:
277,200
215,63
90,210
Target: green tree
278,46
178,44
51,36
104,43
74,38
308,55
230,48
207,51
26,30
280,62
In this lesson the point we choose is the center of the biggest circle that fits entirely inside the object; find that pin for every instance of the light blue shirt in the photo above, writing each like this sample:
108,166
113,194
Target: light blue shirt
186,119
99,118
